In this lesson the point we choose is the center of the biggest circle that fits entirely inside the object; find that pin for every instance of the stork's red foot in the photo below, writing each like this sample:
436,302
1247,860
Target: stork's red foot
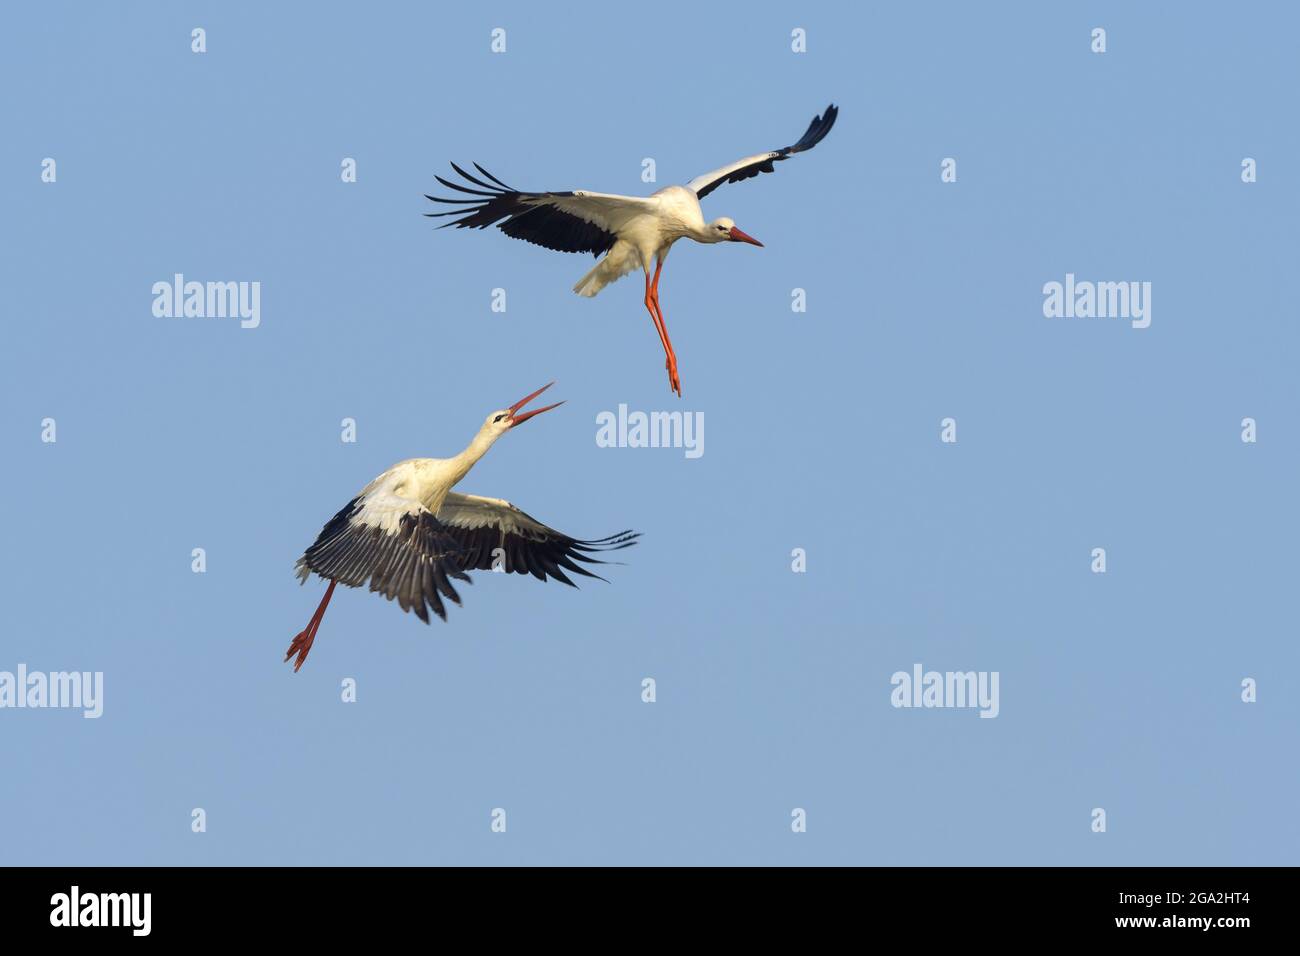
674,382
302,645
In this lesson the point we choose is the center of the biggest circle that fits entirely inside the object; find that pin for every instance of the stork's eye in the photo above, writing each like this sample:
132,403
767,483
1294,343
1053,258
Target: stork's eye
497,419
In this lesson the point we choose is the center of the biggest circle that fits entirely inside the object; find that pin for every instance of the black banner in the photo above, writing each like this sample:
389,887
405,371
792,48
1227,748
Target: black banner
329,905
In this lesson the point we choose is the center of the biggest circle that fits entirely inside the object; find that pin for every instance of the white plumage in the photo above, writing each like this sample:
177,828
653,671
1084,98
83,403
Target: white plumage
408,535
632,232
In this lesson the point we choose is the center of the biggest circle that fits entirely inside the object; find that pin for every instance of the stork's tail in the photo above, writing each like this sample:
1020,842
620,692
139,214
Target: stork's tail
621,259
592,282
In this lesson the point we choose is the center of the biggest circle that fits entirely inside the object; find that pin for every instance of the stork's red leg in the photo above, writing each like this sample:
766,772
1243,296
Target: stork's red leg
659,327
652,303
302,643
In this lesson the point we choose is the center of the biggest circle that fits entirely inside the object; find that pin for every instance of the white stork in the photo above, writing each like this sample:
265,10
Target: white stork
408,533
630,230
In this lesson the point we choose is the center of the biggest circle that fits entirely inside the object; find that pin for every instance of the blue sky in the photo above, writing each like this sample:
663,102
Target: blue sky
924,301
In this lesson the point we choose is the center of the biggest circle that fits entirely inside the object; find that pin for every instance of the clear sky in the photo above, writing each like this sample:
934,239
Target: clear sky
1120,691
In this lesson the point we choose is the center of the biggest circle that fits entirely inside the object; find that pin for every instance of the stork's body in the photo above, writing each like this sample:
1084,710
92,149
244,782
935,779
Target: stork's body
409,535
672,213
633,232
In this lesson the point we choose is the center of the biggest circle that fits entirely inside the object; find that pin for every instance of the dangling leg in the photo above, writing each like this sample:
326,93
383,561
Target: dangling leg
302,643
651,304
671,364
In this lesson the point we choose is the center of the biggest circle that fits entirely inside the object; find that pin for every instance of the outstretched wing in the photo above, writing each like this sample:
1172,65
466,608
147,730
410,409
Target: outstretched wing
578,221
751,166
393,542
482,525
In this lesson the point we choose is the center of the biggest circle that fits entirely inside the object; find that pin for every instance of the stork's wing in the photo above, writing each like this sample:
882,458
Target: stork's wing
751,166
482,525
579,221
393,542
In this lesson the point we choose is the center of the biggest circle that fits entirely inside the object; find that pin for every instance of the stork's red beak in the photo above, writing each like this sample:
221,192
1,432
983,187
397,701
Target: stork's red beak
738,236
520,419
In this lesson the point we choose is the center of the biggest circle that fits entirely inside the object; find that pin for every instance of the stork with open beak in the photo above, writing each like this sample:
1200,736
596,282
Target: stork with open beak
631,231
409,534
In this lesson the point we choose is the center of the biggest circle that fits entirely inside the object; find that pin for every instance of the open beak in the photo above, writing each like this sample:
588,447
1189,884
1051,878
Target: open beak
516,419
738,236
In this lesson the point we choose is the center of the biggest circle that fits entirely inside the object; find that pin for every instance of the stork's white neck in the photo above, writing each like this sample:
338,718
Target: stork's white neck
476,449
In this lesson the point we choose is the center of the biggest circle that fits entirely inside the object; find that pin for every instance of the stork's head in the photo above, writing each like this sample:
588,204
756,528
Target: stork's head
724,230
502,420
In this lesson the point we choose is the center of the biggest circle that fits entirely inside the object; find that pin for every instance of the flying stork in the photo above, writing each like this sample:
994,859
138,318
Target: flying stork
408,534
630,230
